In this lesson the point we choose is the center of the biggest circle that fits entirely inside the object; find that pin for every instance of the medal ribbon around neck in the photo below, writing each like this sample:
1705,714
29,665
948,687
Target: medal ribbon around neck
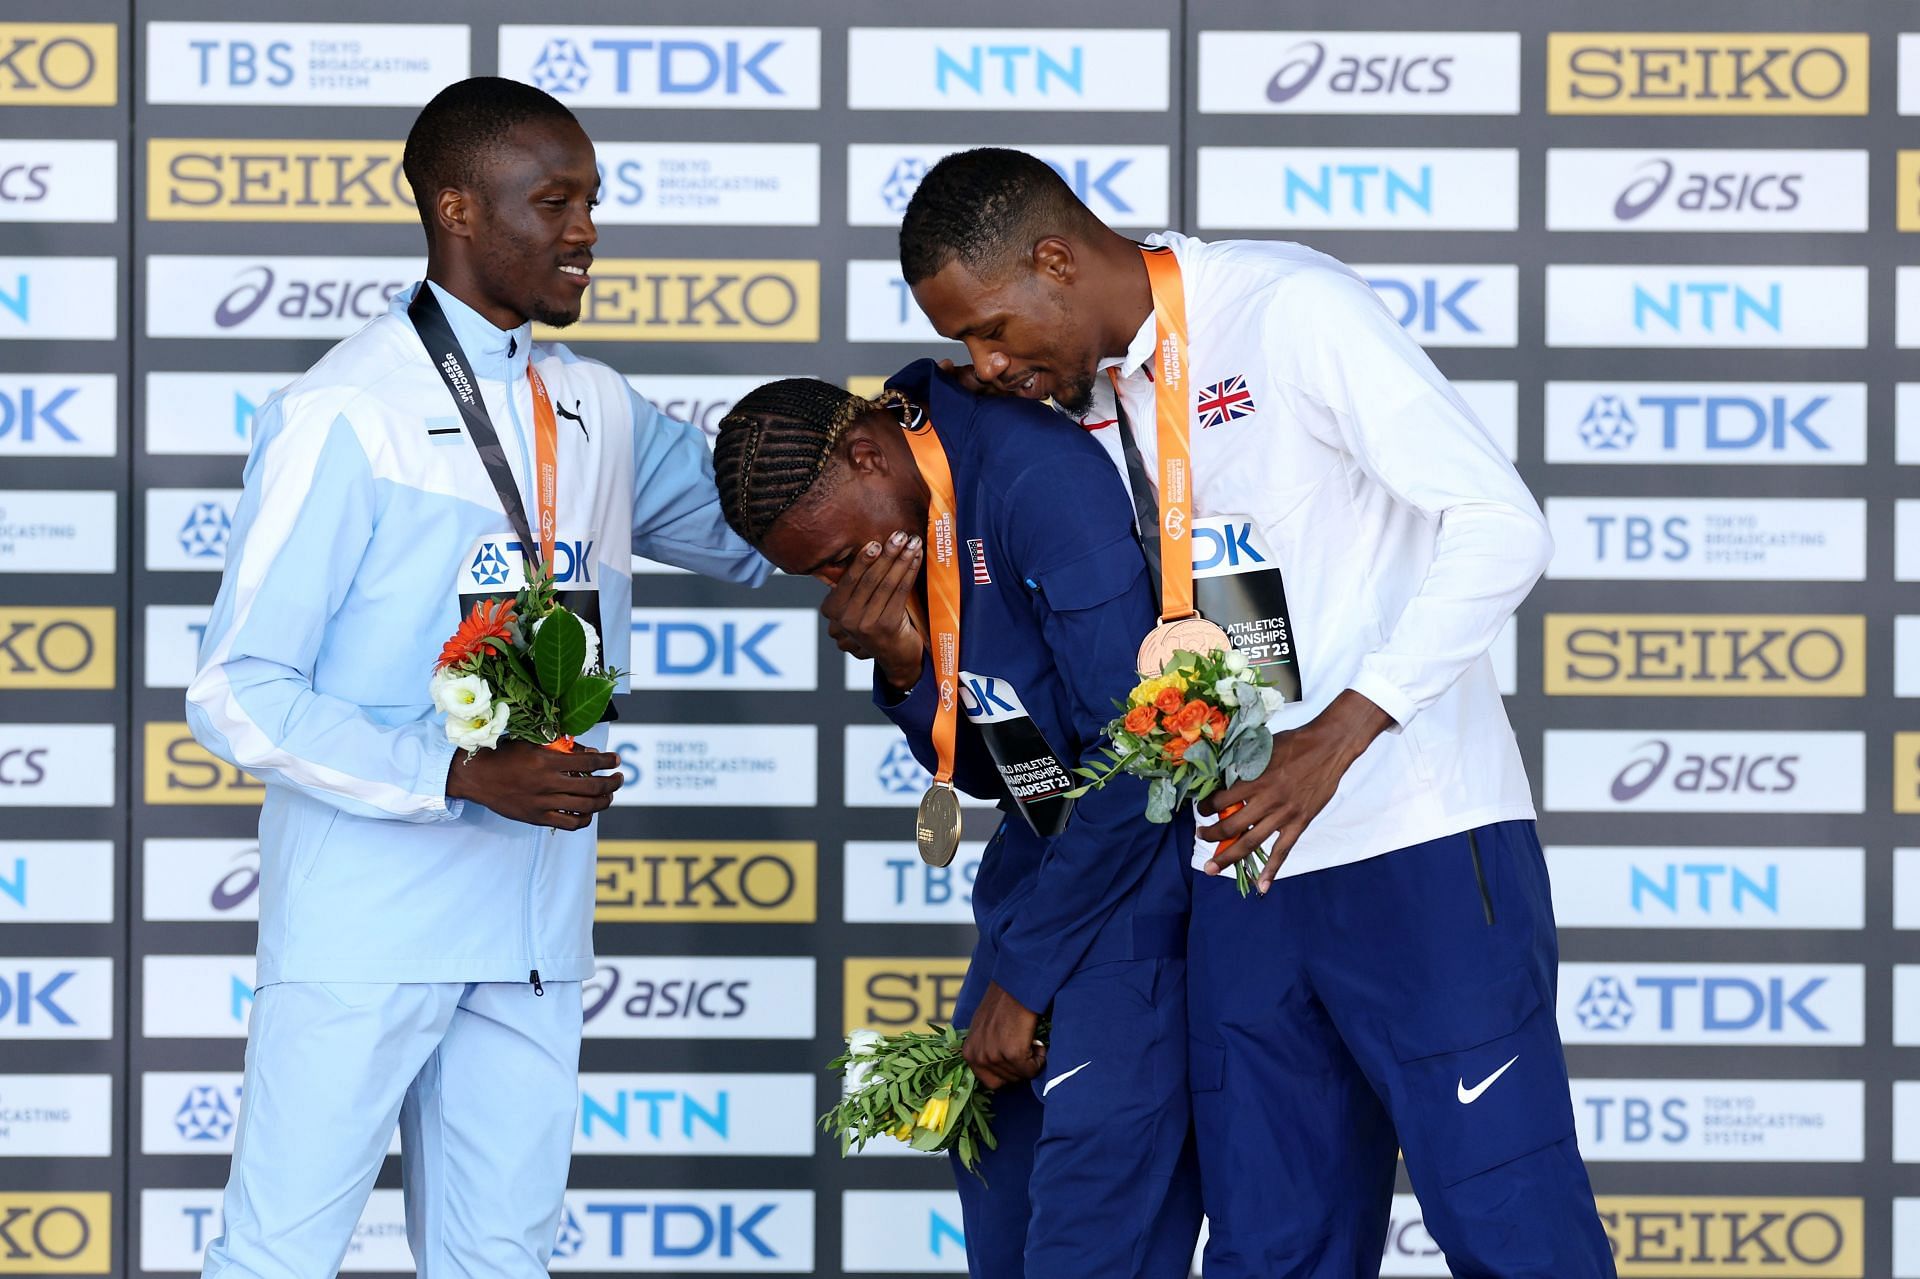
1170,364
546,465
943,586
1181,627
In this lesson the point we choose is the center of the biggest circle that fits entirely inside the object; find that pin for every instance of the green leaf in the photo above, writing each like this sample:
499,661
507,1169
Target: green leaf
1160,800
1249,756
584,703
559,651
1200,756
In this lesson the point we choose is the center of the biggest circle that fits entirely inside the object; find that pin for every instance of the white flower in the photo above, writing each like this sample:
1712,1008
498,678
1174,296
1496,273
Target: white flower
1228,691
480,732
864,1043
461,696
1271,699
1236,662
586,629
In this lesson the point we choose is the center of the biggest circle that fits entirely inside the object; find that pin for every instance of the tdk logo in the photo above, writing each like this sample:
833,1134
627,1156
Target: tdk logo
205,531
1709,1004
27,412
1302,64
1422,306
34,999
1094,181
489,567
693,648
669,67
1010,70
1713,423
1231,546
493,563
205,1116
899,773
688,1229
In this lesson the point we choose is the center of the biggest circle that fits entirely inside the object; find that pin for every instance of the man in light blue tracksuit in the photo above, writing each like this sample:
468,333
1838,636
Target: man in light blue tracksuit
426,917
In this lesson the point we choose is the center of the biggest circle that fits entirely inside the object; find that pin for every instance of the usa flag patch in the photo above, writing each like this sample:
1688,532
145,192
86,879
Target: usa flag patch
1225,401
977,548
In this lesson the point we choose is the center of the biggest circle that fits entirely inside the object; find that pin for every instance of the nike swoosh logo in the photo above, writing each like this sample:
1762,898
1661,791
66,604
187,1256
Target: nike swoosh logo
1057,1080
1470,1095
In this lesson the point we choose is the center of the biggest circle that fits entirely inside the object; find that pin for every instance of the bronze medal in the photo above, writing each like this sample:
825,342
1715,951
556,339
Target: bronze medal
1185,634
936,829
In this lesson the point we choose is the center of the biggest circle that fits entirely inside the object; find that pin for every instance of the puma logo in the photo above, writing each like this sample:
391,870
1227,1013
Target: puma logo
574,416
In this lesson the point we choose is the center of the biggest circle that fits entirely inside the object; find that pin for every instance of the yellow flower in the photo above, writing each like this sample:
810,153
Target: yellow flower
933,1116
903,1133
1148,689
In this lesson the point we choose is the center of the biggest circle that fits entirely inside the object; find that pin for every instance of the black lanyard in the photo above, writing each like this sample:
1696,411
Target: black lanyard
1146,508
443,349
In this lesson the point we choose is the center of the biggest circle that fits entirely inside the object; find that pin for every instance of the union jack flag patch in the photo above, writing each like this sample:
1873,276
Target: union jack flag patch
977,549
1225,401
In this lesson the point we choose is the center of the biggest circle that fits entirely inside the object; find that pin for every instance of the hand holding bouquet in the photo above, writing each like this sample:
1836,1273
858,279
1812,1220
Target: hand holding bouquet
526,668
1200,725
916,1087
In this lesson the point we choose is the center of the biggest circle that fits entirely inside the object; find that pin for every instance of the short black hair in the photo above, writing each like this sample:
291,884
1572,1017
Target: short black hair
775,446
985,207
462,127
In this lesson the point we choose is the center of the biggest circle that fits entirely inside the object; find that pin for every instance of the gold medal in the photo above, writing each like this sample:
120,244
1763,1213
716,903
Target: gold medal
936,829
1185,634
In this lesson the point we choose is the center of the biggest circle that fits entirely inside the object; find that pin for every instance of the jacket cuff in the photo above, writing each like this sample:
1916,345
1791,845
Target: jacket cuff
1375,688
1032,985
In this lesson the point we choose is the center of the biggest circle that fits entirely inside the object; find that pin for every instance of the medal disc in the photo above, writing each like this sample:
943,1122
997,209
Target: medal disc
936,828
1189,634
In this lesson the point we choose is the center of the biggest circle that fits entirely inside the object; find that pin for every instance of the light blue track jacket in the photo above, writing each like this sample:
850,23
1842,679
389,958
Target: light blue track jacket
366,513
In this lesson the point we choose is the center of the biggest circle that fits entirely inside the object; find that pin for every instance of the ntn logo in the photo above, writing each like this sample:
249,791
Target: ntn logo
1010,68
1704,302
617,1112
1351,184
1709,882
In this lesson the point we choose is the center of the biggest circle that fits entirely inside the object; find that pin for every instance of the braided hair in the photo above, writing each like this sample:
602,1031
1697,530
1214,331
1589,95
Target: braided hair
777,445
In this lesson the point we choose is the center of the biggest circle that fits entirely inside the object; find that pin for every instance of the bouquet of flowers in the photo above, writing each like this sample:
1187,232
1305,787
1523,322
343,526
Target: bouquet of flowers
526,668
916,1087
1200,725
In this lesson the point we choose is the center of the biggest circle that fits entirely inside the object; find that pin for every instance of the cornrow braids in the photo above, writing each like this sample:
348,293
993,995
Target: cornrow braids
775,446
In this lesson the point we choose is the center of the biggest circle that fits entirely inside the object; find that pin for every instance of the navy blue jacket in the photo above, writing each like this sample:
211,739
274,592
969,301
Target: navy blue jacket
1054,628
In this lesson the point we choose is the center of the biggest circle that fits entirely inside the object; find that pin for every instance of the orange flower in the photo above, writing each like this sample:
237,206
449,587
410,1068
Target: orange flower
1189,720
1216,724
489,620
1140,720
1176,750
1168,701
562,743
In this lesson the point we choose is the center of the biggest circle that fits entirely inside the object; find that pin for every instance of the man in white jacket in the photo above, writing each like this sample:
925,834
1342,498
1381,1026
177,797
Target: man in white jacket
426,914
1395,989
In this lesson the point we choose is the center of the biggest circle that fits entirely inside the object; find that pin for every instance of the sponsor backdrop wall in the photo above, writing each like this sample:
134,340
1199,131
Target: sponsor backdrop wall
1662,260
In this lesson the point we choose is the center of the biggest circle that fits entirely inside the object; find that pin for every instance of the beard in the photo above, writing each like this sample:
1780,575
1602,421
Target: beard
1075,394
541,311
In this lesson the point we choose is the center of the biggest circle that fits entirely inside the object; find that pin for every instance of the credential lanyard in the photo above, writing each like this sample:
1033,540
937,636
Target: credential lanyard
1170,399
430,322
943,586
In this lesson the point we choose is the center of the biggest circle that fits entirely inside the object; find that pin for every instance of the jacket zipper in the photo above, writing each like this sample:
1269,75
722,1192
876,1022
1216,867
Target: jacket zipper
1480,877
533,869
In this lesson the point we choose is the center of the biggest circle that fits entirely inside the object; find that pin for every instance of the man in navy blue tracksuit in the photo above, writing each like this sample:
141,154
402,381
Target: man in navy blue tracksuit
1081,905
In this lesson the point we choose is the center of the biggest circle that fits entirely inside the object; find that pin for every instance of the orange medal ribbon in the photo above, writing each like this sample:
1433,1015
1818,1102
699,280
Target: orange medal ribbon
1174,434
943,587
546,467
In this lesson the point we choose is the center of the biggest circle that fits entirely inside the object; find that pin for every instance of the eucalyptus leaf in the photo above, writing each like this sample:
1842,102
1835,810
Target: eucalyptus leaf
1250,755
1161,794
